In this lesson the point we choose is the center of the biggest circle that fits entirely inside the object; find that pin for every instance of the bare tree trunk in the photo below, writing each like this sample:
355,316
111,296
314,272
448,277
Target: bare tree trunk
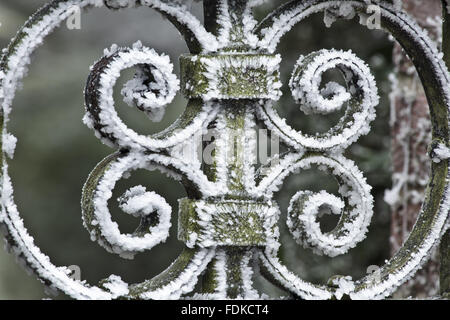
411,135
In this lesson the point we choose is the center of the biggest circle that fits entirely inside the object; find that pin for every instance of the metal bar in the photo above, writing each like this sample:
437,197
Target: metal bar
445,242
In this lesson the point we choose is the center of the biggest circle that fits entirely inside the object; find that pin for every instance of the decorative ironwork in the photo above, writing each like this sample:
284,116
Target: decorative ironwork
231,78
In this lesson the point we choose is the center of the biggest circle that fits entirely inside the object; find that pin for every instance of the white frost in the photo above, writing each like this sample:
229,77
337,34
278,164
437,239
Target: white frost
9,144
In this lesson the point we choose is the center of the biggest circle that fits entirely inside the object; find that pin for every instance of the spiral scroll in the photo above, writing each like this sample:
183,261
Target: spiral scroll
361,97
355,206
101,114
153,210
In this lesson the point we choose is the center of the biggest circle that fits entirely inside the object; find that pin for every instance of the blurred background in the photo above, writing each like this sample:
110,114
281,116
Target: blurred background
56,152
